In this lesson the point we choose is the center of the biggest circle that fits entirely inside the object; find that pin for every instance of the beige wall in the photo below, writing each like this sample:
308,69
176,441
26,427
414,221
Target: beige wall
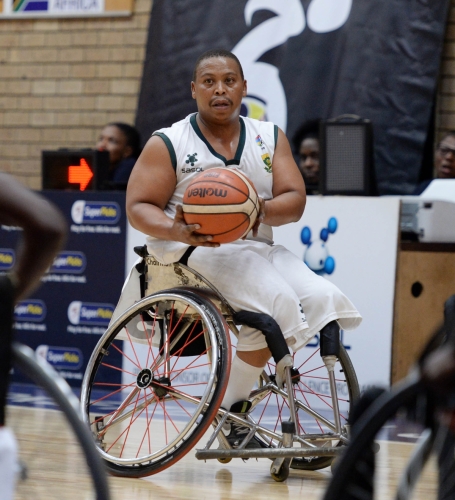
62,80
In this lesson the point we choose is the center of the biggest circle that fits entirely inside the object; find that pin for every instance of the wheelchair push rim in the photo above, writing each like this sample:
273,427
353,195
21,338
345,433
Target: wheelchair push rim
167,394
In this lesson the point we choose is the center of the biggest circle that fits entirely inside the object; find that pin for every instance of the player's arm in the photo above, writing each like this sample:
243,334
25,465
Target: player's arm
150,187
289,195
44,232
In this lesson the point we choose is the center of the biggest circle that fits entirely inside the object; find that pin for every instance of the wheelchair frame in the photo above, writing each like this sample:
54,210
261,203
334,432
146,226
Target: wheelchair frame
179,288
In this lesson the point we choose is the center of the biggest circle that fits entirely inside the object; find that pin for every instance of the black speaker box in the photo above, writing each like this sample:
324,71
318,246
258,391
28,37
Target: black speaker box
346,157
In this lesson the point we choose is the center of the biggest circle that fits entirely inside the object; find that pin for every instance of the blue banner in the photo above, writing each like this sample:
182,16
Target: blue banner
64,319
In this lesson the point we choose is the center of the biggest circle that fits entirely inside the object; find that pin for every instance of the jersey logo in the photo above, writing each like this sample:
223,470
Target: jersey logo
268,162
191,159
265,156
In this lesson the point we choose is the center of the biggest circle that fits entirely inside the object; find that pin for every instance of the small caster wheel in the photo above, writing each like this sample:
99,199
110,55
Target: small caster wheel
283,473
224,460
334,464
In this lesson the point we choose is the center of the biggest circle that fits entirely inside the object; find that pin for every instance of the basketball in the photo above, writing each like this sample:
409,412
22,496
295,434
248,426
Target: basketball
223,202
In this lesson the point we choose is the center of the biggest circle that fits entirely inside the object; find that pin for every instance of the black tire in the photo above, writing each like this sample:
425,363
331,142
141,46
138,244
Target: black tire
305,396
178,403
45,377
349,468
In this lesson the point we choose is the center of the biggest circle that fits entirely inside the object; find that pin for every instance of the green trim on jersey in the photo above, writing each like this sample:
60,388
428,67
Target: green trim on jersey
170,148
238,153
275,134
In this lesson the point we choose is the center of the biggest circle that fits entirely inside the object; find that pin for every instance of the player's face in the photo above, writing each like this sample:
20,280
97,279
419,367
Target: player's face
218,89
113,140
445,158
309,160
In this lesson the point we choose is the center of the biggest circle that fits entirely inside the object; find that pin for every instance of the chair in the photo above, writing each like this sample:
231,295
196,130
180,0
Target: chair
157,377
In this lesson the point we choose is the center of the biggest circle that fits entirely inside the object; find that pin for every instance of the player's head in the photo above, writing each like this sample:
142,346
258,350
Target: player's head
306,145
120,140
216,53
218,86
444,158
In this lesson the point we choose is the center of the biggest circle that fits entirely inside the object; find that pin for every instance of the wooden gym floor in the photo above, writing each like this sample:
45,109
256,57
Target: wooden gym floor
56,470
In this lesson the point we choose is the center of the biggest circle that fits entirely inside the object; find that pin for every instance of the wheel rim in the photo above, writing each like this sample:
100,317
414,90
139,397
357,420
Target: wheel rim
162,394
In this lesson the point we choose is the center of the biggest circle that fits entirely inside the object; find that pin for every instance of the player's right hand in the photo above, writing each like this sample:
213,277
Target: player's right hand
187,233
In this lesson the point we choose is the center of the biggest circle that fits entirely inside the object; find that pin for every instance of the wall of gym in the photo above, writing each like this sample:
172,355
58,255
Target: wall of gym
63,79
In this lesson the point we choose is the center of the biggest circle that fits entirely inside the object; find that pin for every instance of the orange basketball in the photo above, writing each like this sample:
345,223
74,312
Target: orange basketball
223,202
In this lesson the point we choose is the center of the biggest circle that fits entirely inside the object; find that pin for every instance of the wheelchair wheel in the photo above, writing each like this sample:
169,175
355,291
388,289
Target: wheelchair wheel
316,415
155,381
353,477
67,434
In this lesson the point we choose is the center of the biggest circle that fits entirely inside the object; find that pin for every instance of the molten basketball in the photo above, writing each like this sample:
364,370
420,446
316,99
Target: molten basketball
223,202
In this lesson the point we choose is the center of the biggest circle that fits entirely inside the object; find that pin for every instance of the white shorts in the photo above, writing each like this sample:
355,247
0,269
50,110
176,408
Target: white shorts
258,277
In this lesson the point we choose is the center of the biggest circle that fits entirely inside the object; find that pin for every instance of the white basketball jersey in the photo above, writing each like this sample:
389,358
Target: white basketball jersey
191,154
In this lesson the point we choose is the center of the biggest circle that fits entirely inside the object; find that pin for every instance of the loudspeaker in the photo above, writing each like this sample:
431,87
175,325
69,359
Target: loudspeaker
346,156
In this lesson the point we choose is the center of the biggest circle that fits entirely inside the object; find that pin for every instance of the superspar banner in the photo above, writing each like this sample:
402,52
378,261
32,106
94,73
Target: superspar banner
305,60
16,9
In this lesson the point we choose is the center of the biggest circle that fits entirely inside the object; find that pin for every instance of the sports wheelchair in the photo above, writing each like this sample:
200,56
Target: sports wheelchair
157,377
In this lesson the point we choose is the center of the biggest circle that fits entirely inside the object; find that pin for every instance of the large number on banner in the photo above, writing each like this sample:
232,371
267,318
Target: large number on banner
266,99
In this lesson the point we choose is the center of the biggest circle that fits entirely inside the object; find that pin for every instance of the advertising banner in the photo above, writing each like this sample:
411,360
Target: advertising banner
63,320
351,241
305,60
16,9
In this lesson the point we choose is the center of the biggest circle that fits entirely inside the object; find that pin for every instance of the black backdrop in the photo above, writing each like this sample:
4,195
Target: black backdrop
382,63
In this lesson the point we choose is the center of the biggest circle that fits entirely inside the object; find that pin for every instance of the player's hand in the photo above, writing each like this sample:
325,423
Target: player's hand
187,233
260,217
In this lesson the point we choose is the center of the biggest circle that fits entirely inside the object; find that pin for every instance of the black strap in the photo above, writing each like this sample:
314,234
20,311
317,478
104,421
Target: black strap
184,259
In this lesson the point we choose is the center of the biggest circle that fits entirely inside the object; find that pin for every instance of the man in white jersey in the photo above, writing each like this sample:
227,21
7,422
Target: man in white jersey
253,274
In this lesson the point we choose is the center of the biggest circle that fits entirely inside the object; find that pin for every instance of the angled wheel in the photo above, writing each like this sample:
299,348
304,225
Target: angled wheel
319,424
155,381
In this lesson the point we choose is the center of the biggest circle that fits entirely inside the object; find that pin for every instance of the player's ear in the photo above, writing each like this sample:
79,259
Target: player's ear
244,88
193,90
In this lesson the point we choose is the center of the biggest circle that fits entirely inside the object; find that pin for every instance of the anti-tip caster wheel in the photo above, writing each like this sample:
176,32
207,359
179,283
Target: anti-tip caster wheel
283,472
224,460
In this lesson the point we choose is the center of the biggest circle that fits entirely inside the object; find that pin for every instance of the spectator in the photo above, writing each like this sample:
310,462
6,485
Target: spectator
123,143
444,161
306,146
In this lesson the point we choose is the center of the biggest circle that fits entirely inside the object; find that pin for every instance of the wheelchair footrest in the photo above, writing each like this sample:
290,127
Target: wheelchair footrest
268,453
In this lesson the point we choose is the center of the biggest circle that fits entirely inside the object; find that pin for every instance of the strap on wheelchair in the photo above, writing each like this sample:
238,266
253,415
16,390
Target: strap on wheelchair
330,339
184,258
141,267
270,329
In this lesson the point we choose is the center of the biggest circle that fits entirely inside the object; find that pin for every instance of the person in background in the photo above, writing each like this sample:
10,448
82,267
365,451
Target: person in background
43,234
444,161
306,149
123,143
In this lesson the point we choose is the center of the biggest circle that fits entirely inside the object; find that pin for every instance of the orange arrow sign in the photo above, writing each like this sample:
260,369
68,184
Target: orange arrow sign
80,174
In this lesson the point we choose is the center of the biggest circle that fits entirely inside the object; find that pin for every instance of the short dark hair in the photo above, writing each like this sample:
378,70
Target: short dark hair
133,138
308,130
216,53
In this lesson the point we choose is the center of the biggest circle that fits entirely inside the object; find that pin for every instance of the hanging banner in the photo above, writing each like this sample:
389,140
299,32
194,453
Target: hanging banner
66,316
16,9
306,60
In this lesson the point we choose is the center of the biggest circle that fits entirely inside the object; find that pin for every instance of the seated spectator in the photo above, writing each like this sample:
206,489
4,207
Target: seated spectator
306,148
123,143
444,161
